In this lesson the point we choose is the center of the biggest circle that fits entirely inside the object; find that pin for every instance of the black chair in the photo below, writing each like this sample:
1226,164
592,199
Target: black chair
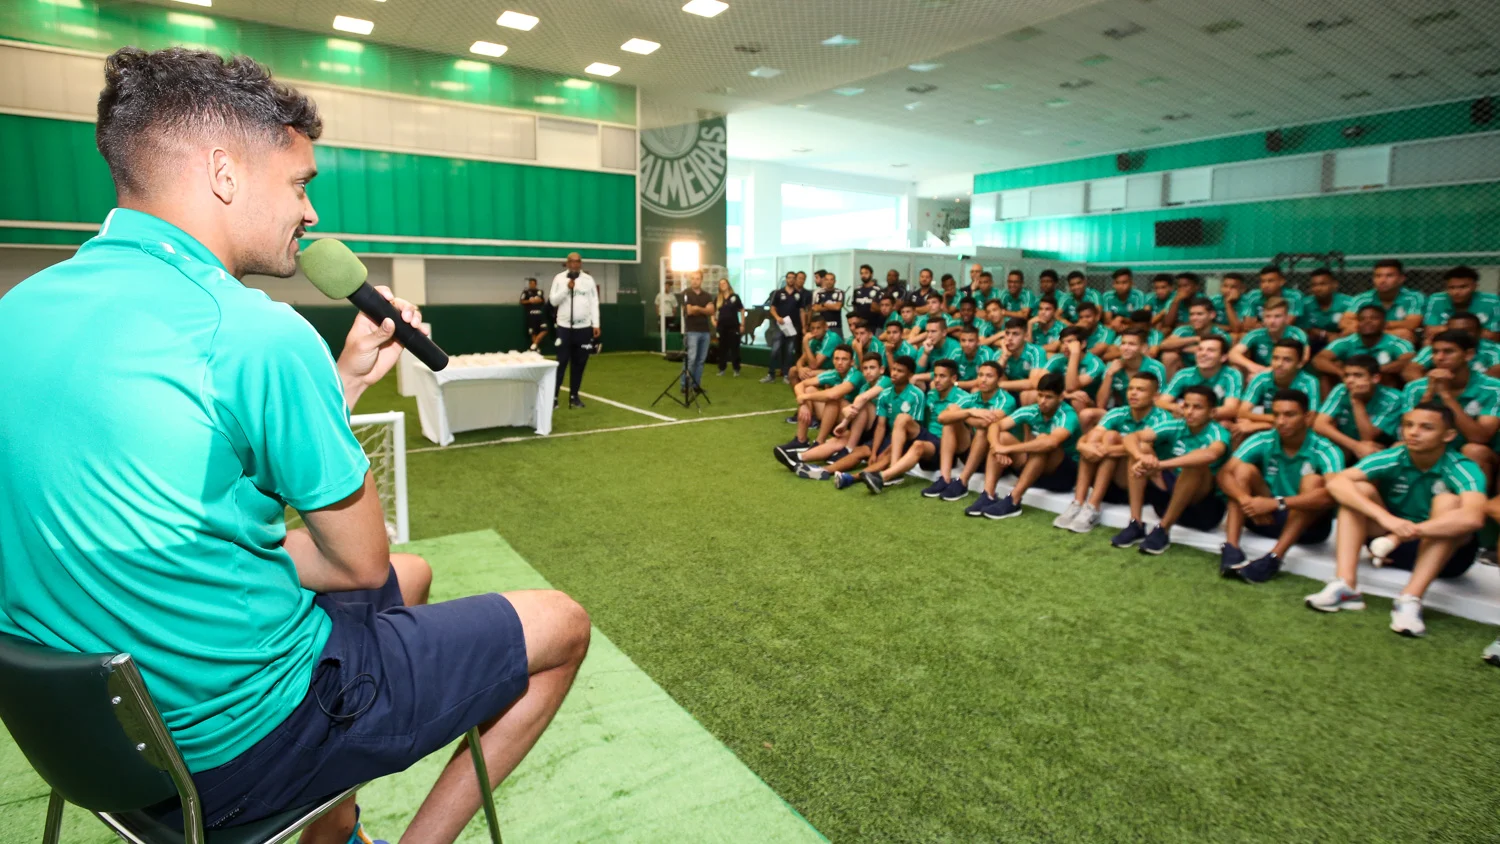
88,726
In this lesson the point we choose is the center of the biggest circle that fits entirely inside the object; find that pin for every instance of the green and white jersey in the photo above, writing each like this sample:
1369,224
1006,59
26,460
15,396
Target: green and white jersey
983,326
830,378
1190,359
1049,334
936,404
1120,381
1386,349
1227,383
1315,315
1486,306
981,298
824,346
909,401
1102,334
1258,343
1066,304
1019,366
1136,300
1064,418
968,367
905,325
902,348
1480,397
1001,401
1070,310
922,321
1262,387
1283,474
949,349
1407,490
1174,439
1408,302
1123,421
1089,364
1021,301
1384,408
1486,355
1221,313
1253,302
1160,306
1154,337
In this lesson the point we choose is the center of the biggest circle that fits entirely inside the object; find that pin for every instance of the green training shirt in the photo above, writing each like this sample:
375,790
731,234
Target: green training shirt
1406,303
1258,343
1407,491
936,404
1283,474
1385,349
1227,383
1120,381
1384,408
1064,417
1262,387
1174,439
892,403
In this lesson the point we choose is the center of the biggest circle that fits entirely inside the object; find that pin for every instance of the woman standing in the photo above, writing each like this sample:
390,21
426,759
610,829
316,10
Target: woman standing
731,316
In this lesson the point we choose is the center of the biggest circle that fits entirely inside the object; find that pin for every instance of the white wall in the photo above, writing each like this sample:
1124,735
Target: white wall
763,180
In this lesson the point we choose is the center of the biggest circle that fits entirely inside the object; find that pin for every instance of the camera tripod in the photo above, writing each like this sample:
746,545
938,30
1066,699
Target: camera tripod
685,384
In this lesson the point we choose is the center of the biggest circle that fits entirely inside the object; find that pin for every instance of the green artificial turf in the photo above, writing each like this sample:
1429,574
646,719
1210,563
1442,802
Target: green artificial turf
898,672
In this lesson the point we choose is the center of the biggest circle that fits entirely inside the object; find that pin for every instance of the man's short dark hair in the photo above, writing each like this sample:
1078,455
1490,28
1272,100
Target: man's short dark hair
1462,272
1017,274
1289,343
993,365
1295,396
1074,331
934,297
820,273
1142,315
872,356
967,329
1462,339
948,365
1440,409
1047,300
1087,306
1123,271
1200,302
1271,269
1138,333
1215,338
923,270
1052,382
1390,264
1371,306
1076,274
1048,273
1198,282
151,98
1015,322
845,348
987,275
864,267
1320,271
818,319
968,300
1464,316
1161,277
1366,362
906,361
1148,376
1203,390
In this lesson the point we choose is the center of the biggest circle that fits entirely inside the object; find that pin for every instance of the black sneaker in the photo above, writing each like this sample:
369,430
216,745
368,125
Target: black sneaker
1229,557
874,482
957,491
576,402
1259,570
813,425
935,490
791,420
1004,507
979,506
796,446
784,458
554,402
1157,541
1133,533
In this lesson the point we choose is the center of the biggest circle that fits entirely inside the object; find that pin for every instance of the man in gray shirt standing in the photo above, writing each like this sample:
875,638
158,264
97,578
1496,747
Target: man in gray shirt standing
697,323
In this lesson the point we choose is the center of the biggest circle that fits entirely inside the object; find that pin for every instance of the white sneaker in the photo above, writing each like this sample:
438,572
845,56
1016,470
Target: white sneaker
1406,616
1065,519
1492,653
1087,517
1334,597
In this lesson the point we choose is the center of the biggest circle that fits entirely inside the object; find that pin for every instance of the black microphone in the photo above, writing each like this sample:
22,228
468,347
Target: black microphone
335,270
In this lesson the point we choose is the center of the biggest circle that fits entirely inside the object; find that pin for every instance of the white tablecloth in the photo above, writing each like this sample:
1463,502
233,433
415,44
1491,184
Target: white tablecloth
467,398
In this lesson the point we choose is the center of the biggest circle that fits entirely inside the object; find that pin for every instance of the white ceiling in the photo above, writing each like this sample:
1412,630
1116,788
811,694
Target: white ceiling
1229,65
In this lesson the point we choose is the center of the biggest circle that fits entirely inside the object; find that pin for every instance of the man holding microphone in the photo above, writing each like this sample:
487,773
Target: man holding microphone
576,298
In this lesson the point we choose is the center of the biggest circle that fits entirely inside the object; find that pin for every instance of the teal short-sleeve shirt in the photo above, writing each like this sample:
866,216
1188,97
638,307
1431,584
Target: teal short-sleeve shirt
1282,473
165,418
1064,417
1407,490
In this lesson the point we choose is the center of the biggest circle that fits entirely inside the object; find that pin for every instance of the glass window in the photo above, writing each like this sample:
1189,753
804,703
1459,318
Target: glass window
828,218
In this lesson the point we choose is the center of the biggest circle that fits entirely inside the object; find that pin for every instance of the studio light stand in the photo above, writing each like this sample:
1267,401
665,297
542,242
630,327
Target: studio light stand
689,394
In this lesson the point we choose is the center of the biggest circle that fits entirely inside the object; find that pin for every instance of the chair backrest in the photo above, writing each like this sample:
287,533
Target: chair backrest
87,725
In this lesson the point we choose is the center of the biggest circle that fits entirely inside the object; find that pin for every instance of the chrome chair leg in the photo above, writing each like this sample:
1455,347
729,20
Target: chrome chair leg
486,794
52,832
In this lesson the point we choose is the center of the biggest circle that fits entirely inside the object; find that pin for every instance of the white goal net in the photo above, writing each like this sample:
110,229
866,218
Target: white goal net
383,437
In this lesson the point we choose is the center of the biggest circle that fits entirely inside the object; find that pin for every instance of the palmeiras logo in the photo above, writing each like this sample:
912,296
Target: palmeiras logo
683,167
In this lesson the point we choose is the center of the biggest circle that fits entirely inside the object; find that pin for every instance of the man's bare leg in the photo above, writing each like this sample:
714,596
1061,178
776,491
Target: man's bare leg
1434,551
1136,488
1234,520
992,463
1298,521
1036,466
1193,483
954,440
1351,531
979,446
557,639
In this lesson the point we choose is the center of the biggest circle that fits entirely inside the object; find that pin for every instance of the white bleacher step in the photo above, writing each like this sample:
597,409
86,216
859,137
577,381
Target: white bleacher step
1475,596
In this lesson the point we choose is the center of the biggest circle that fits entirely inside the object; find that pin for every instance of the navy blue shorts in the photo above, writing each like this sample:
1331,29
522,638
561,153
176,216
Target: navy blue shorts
393,685
1062,479
1316,532
931,462
1405,557
1204,514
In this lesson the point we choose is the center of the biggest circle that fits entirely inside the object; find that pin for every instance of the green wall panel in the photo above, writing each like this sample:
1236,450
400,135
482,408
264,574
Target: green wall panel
1439,220
1432,121
474,329
51,172
333,58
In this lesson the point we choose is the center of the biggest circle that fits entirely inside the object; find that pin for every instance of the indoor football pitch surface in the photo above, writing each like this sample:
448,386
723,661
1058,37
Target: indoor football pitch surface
894,671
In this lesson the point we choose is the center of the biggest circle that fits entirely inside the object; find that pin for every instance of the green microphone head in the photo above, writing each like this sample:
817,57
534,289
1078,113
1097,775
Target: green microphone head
332,268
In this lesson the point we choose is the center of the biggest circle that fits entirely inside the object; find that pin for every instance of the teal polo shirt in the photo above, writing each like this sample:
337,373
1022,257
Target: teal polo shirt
165,417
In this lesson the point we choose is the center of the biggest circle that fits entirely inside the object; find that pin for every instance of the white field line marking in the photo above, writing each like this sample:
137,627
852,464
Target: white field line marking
507,440
622,406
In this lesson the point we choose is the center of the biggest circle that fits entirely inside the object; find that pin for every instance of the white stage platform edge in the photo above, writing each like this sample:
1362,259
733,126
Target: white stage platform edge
1475,596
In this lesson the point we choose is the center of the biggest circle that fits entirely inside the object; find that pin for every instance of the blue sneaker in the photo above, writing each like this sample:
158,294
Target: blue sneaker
1133,533
791,420
1259,571
796,446
1230,556
935,489
1157,541
957,491
812,473
978,507
1003,508
842,480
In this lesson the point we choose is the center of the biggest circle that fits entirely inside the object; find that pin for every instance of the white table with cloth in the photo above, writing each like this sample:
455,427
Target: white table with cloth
485,391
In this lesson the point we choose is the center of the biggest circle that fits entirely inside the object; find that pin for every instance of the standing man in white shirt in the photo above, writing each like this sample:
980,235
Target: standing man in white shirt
666,306
576,298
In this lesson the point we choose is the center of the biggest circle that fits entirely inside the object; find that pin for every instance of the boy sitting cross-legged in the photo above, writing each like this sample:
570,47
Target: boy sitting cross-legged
1361,415
964,432
916,438
1047,457
852,434
819,399
1102,464
898,420
1172,466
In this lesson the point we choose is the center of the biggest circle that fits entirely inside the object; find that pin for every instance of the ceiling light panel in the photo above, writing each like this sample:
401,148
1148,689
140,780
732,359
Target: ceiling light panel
705,8
765,73
840,41
488,48
517,20
358,26
203,3
924,67
601,69
848,92
640,46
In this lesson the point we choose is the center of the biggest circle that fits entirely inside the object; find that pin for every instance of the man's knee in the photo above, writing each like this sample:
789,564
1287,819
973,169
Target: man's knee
414,576
556,627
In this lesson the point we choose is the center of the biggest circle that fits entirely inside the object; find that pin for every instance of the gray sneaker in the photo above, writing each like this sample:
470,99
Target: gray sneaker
1492,653
1065,519
1334,597
1087,517
769,379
